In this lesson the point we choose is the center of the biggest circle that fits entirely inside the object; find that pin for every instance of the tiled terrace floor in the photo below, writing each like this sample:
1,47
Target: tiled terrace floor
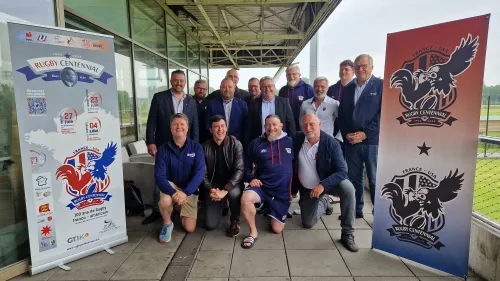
295,255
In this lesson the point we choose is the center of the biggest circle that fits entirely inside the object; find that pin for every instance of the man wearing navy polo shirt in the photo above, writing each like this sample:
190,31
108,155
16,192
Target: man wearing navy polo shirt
179,170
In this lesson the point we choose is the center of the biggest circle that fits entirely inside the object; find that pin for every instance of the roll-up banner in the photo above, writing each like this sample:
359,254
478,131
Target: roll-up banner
69,129
428,143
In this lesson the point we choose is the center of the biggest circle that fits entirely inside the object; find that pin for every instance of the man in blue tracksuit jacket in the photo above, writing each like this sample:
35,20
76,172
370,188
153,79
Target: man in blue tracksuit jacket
359,122
268,169
297,91
232,109
179,170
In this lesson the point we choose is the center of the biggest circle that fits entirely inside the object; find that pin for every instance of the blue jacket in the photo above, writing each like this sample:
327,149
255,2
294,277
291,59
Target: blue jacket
365,116
296,96
336,89
183,166
330,163
273,161
237,119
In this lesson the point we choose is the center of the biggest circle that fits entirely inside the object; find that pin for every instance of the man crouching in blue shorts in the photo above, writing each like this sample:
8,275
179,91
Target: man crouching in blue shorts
272,155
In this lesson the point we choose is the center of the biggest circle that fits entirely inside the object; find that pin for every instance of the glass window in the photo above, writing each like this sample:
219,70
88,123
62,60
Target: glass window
172,67
148,24
193,55
192,77
204,63
14,240
176,40
112,14
150,78
123,78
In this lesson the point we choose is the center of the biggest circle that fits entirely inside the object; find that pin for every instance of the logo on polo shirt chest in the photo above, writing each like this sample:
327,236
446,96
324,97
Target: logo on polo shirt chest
288,150
263,150
192,154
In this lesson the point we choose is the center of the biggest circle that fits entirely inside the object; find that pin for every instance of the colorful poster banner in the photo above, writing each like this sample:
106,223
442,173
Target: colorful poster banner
428,143
65,93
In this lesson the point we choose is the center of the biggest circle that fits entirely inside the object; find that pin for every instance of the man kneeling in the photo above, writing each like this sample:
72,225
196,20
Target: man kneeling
322,171
223,177
272,155
179,170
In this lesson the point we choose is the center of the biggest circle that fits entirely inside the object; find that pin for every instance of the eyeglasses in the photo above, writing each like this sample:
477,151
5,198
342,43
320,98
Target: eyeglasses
364,66
203,89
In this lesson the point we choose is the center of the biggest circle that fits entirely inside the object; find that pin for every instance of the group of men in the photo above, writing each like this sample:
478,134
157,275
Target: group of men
247,151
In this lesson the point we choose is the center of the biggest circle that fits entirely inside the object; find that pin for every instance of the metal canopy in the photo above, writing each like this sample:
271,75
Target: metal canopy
250,33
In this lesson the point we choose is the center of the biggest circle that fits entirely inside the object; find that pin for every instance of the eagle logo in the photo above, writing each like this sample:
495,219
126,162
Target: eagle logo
86,176
418,205
428,83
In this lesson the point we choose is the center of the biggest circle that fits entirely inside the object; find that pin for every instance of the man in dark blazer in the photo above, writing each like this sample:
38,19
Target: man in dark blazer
233,110
200,94
268,103
238,93
163,106
359,123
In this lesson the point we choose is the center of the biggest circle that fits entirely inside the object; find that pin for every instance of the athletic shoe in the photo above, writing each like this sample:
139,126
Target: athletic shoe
348,242
166,233
329,209
234,229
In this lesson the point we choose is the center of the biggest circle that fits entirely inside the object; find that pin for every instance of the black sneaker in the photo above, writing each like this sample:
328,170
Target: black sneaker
348,242
360,216
155,215
329,209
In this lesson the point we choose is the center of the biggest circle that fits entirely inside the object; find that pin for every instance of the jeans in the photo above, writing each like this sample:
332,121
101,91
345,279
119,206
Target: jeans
357,156
156,199
313,208
213,209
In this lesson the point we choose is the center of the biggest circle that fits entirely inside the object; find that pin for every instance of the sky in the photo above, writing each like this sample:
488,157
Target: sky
361,26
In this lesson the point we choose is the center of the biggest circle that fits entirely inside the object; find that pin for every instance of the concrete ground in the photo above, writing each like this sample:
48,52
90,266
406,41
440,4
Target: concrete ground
295,255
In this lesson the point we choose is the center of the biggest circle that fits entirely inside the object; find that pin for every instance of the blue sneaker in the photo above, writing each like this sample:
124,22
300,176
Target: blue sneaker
166,233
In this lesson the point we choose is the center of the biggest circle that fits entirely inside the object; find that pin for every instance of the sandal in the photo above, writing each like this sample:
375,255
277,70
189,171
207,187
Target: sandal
248,239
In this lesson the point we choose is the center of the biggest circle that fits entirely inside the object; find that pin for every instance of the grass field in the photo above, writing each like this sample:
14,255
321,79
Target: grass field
494,110
487,188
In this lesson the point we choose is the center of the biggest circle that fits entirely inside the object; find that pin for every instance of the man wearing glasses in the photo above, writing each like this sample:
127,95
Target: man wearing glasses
359,123
253,90
200,94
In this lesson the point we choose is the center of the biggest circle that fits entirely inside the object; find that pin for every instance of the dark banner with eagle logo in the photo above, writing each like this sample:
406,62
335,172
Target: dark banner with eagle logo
428,142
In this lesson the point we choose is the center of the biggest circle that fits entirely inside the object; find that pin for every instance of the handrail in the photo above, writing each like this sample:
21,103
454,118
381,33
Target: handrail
488,139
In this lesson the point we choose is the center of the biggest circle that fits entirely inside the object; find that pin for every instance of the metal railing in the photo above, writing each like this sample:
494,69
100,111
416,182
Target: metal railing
487,183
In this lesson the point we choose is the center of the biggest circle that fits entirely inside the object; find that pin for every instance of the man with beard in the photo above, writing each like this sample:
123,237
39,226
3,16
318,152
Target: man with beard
224,176
269,182
253,90
233,110
359,122
238,93
179,170
321,170
296,91
163,106
200,93
268,103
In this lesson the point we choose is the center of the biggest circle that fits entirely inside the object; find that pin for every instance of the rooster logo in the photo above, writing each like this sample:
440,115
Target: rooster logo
417,203
86,177
428,82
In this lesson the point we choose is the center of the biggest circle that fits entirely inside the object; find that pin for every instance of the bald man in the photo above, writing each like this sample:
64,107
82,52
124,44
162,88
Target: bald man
321,170
238,93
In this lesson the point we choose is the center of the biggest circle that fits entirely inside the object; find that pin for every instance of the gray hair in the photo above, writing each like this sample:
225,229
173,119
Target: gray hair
227,79
321,78
266,78
179,116
253,78
370,59
296,66
199,82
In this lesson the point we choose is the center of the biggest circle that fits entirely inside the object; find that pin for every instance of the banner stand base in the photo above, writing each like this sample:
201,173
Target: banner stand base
109,251
64,267
60,263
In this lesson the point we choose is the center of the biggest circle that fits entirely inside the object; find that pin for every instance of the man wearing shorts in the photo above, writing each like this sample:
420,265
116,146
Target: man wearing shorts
179,170
269,181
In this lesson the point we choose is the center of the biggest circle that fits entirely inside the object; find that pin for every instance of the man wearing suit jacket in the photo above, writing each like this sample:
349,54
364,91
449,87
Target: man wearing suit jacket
163,106
359,122
233,110
268,103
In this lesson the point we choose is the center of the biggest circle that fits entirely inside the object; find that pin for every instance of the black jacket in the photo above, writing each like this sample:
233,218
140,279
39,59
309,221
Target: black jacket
238,93
202,109
158,127
233,154
254,118
330,164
